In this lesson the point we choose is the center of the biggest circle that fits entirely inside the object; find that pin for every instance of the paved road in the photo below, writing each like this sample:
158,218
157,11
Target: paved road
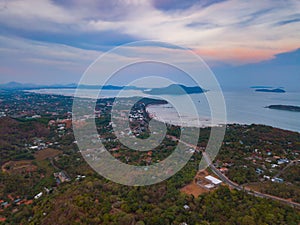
240,188
234,185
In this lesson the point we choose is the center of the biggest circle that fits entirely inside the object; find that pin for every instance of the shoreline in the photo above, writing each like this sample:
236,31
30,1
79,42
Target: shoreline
195,123
201,124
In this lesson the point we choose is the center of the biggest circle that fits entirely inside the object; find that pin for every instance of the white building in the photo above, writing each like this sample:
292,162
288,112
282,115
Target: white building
213,180
209,186
38,195
186,207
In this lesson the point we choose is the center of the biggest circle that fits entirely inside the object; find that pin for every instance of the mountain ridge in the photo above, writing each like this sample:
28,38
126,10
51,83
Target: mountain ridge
173,89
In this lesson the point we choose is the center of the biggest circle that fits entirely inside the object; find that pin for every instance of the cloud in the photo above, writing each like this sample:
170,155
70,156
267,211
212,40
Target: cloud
169,5
69,34
25,60
281,71
296,20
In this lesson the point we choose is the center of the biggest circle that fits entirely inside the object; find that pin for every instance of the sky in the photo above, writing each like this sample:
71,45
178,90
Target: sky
243,42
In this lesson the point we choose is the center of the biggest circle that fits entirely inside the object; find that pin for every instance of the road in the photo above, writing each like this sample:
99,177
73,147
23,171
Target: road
247,190
234,185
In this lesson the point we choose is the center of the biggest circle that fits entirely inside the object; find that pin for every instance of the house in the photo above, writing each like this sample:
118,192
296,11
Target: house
61,128
36,116
62,177
28,202
38,195
4,204
48,190
223,170
282,161
186,207
17,200
191,150
51,123
268,160
209,186
10,197
259,171
277,180
79,177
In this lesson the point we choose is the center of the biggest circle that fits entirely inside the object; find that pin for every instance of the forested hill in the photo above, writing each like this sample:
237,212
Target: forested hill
14,134
95,201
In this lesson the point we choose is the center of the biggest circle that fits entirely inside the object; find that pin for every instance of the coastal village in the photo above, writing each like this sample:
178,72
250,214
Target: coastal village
269,163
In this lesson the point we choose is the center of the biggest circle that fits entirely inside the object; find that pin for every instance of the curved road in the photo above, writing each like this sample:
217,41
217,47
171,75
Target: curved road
234,185
247,190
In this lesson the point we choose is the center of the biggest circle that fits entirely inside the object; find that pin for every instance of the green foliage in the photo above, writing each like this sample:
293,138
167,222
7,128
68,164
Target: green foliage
97,201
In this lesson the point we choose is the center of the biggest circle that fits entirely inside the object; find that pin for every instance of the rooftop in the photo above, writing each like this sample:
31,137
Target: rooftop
213,179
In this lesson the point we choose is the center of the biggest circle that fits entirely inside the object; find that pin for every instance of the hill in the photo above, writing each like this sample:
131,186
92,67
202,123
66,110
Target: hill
175,89
15,134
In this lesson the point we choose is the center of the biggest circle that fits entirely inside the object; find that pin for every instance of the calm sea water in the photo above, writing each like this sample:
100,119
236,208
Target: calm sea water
245,107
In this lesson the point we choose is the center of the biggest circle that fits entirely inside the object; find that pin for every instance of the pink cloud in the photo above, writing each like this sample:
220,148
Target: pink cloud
239,55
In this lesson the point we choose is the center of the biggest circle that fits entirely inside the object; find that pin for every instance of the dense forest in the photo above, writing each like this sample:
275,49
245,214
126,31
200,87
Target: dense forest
95,201
15,134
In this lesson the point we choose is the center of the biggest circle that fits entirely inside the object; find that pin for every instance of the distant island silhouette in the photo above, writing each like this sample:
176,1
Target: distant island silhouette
276,90
257,87
285,107
173,89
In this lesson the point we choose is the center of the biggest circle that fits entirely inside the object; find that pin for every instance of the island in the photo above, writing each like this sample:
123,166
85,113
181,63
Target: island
285,107
276,90
258,87
175,89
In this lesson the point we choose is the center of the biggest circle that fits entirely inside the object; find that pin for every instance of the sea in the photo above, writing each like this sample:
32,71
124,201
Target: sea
242,106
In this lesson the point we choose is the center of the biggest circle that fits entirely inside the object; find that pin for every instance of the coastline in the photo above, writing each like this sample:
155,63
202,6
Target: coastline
184,121
254,113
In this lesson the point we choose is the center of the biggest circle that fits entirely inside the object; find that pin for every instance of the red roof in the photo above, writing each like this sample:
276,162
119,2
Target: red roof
29,202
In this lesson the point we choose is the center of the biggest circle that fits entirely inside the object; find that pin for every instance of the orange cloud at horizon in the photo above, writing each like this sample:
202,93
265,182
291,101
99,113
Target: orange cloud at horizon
241,55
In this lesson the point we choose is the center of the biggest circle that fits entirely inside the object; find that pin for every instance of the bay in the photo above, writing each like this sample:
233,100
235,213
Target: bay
242,106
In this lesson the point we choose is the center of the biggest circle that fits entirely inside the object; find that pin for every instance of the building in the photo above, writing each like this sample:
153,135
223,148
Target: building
186,207
38,195
209,186
282,161
62,177
259,171
277,180
223,170
213,180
